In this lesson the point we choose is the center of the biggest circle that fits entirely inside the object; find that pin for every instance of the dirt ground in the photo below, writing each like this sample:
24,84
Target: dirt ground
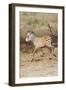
41,66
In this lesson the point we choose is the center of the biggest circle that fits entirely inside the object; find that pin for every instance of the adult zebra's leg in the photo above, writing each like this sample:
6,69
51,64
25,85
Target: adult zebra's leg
51,52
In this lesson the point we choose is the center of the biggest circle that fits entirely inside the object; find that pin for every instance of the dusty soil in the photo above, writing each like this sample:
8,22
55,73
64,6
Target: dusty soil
41,66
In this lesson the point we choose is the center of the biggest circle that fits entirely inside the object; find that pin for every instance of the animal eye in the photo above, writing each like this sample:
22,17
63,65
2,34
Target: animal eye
27,36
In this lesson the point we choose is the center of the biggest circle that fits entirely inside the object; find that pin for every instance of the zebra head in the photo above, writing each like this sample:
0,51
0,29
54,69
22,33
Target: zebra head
30,36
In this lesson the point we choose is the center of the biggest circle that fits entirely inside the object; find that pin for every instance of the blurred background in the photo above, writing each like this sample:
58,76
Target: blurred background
38,23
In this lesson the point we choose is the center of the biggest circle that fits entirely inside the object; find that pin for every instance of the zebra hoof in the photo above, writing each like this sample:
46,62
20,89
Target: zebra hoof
54,55
32,60
50,58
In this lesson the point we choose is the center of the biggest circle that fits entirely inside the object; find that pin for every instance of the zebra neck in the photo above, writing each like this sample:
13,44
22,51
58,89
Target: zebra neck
33,39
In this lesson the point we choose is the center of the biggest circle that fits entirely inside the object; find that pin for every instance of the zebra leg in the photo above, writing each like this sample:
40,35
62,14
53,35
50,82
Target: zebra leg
33,54
51,52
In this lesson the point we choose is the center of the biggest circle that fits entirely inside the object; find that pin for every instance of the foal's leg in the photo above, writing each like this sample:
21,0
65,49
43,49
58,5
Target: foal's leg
33,54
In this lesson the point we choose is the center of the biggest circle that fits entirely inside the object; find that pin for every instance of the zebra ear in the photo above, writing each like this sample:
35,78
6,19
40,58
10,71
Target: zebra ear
32,32
28,32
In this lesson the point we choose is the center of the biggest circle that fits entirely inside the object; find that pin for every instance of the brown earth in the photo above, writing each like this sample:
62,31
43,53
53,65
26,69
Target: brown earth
41,66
